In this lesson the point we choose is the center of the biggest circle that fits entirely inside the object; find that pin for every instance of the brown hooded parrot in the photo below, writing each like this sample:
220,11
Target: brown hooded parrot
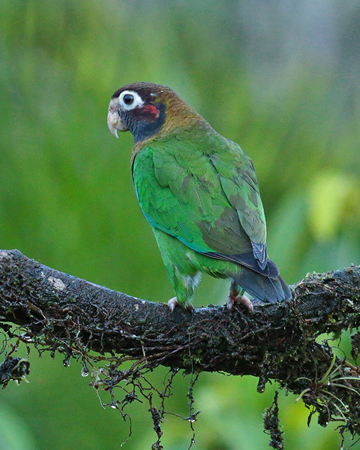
199,192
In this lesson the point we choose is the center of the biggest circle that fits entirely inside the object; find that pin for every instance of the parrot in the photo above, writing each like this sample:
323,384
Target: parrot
200,194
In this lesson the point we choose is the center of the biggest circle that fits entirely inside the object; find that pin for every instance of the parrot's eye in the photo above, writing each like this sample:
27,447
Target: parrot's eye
130,99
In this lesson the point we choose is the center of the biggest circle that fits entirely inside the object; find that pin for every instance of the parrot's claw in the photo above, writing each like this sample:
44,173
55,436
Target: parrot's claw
173,303
232,299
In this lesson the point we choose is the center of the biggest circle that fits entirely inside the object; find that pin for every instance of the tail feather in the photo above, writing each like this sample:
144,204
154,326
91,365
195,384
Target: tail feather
263,288
248,260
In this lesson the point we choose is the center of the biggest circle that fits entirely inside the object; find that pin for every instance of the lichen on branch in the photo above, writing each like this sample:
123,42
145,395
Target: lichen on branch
61,313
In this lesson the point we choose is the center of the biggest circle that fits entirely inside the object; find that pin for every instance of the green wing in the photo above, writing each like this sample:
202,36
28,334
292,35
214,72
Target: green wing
206,195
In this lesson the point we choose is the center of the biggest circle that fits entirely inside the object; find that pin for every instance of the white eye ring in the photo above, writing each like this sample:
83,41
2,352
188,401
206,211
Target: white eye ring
129,100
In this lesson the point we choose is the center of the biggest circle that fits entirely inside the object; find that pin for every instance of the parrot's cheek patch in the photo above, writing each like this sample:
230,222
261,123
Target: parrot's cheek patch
151,111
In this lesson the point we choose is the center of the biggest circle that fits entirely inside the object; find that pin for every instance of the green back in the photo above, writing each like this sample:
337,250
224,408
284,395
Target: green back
202,189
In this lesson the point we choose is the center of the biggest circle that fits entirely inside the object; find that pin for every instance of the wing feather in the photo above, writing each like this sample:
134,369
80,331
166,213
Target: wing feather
206,195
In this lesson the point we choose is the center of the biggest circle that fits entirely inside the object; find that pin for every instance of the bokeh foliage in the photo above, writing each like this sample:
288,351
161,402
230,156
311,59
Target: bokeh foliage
66,196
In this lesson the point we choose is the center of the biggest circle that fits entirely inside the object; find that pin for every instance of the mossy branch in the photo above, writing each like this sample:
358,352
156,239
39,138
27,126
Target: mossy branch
276,342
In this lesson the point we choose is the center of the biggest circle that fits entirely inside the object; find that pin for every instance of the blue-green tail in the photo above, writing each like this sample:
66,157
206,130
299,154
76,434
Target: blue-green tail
263,288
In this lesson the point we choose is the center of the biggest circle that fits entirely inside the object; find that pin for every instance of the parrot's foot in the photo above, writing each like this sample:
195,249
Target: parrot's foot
232,299
173,302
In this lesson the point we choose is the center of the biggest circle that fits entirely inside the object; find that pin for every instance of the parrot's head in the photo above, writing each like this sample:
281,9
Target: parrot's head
145,109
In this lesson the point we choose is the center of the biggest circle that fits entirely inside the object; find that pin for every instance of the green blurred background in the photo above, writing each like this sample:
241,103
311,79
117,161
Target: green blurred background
281,78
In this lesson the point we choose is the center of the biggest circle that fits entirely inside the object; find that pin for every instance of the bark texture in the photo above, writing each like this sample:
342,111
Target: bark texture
280,342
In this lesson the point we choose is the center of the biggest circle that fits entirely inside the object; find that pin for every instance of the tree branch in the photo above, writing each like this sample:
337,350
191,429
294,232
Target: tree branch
67,314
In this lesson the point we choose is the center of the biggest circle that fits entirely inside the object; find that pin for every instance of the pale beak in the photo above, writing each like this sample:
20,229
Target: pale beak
113,119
